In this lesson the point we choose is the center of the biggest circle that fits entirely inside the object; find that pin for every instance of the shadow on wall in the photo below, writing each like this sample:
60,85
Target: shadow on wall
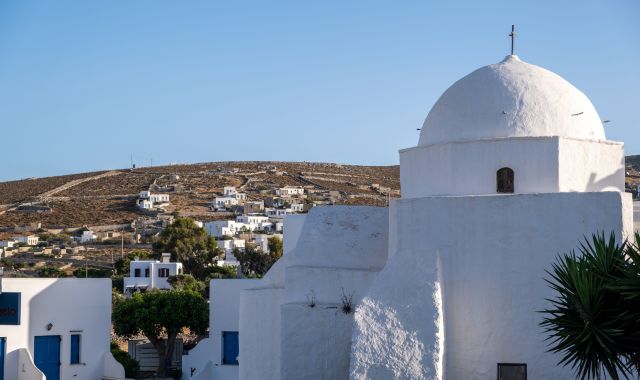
603,184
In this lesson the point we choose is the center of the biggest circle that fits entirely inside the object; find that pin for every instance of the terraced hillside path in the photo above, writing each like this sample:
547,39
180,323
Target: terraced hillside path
46,195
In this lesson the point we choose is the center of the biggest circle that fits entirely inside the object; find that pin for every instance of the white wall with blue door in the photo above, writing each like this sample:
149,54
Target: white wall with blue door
64,325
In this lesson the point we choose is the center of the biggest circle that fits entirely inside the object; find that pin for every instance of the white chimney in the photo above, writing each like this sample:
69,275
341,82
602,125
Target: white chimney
166,257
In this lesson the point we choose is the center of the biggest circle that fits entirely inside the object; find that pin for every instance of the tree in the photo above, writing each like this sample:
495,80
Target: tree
187,282
594,320
51,272
254,262
121,266
158,314
189,244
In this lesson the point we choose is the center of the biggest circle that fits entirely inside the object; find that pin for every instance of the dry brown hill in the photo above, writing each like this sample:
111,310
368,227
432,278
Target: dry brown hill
108,197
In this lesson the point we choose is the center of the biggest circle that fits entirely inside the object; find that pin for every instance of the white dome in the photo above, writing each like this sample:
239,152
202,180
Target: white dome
511,99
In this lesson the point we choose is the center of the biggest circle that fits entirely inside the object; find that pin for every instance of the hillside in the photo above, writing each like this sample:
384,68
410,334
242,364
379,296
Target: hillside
108,197
103,198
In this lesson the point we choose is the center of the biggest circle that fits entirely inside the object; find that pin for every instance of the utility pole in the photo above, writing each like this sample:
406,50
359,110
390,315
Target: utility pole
131,160
122,245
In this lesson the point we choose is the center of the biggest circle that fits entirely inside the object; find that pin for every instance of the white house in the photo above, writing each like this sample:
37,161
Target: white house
148,200
229,191
28,240
87,237
159,199
222,203
297,207
277,213
220,228
151,274
228,245
7,243
289,191
448,282
216,357
262,241
58,328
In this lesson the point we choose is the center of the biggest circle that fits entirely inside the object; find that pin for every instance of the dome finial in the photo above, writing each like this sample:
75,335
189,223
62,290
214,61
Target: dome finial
513,36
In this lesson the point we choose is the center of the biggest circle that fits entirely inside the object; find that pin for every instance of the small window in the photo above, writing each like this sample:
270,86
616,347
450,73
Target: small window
505,180
75,349
163,272
230,348
146,272
136,272
512,371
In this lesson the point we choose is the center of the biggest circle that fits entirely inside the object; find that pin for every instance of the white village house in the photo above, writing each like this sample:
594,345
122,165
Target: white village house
149,201
289,191
30,240
447,282
88,236
58,328
150,274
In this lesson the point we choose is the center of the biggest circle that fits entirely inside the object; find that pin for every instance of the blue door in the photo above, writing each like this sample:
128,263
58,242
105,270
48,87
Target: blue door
2,349
230,348
47,355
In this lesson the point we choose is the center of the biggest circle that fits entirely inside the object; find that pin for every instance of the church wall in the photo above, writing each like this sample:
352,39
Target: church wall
469,167
260,333
591,165
224,315
489,255
325,284
317,344
342,237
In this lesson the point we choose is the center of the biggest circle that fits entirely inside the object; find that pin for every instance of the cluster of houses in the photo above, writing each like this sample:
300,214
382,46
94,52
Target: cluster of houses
257,220
152,201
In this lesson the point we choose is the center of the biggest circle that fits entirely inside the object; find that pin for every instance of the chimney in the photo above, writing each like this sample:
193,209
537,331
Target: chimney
166,257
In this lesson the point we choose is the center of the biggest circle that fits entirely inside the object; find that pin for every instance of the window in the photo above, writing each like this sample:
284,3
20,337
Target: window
512,371
505,180
163,272
146,272
75,349
136,272
230,348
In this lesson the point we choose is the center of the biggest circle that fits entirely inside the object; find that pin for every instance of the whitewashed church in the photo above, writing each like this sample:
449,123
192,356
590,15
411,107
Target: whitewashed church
512,168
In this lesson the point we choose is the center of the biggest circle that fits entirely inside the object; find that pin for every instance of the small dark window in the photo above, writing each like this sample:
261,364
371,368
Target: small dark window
512,371
163,272
136,272
146,272
505,180
230,348
75,349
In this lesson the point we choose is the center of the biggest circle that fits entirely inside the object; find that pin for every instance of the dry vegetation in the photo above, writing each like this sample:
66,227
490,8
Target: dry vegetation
111,200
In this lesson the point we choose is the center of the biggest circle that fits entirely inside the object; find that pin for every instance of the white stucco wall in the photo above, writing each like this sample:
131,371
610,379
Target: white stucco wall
72,306
223,316
489,254
469,168
591,165
260,326
540,165
328,251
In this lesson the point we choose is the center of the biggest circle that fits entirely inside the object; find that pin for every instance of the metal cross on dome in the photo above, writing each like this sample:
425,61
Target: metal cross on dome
513,36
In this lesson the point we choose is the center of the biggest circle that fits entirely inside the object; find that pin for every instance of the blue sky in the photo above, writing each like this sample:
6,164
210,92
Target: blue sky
84,84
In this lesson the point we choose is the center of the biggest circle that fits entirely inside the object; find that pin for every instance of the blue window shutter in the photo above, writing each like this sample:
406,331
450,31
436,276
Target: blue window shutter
75,349
230,347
